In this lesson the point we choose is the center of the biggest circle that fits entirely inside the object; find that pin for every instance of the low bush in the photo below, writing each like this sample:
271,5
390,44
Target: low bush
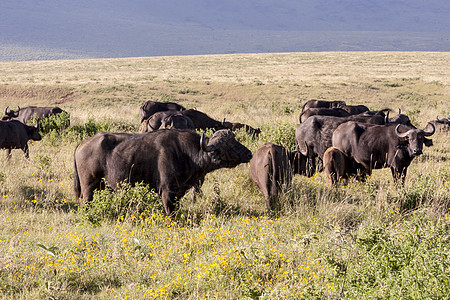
137,201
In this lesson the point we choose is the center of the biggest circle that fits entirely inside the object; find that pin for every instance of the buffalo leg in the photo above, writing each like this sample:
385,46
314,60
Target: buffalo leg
310,166
26,151
197,189
399,175
8,154
168,199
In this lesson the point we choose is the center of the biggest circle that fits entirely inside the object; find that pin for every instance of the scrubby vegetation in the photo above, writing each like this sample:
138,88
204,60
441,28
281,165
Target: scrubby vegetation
368,239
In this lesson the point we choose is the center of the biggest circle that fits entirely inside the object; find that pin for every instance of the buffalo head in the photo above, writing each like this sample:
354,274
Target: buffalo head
416,138
224,149
10,114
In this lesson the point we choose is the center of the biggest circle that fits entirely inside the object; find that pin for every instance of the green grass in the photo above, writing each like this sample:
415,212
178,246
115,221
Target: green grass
364,240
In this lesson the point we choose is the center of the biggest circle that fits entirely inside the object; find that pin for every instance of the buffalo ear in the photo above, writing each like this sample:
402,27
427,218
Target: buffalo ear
428,142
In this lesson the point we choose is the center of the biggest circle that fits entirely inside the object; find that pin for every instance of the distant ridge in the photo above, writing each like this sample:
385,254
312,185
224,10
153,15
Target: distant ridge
63,29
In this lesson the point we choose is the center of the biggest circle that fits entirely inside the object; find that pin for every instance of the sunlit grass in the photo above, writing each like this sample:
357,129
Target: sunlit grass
368,239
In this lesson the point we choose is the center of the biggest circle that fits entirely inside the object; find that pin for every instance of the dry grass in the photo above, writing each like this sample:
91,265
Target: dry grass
224,245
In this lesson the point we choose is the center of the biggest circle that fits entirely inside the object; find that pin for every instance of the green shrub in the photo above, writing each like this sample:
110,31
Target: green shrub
282,134
56,123
137,202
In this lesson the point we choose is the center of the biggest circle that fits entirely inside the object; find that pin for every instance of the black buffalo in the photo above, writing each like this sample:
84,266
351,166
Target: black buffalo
25,114
272,168
314,135
171,161
355,109
150,107
382,146
15,135
167,120
202,120
320,111
322,103
442,125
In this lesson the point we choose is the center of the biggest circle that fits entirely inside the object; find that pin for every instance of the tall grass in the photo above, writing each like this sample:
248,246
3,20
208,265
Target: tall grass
365,240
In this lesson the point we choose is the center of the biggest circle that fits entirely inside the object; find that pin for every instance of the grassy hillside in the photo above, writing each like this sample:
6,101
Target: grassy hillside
369,239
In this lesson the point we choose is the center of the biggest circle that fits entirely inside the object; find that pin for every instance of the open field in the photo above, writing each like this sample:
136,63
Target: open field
365,240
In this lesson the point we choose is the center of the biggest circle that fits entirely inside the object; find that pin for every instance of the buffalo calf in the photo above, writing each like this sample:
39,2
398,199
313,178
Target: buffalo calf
338,167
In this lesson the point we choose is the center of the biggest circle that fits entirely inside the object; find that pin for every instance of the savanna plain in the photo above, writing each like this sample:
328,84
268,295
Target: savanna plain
365,240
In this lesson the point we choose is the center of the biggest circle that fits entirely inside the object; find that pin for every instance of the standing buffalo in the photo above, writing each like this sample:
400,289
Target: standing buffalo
167,120
171,161
338,167
25,114
442,125
323,104
150,107
381,146
272,167
321,111
15,135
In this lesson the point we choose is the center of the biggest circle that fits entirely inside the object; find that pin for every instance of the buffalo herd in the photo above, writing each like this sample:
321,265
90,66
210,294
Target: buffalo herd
171,157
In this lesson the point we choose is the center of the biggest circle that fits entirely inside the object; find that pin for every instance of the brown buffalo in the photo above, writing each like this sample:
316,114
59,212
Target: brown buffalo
337,166
272,168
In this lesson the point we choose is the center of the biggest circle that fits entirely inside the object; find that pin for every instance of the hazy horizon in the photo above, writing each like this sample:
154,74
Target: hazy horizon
62,29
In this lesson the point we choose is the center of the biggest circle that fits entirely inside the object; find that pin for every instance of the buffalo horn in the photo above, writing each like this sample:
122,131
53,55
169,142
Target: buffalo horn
428,133
399,134
203,143
223,121
386,118
6,110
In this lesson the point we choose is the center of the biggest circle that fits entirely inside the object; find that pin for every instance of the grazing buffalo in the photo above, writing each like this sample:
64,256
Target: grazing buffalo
323,104
272,168
15,135
167,120
202,120
334,112
355,109
171,161
150,107
248,129
381,146
25,114
442,125
314,135
338,167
